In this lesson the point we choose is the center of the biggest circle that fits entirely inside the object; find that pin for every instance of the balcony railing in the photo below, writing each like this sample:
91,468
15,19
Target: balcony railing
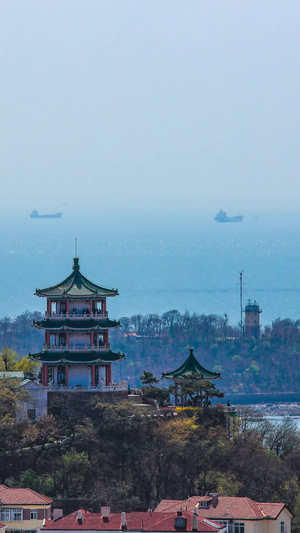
77,314
122,386
75,348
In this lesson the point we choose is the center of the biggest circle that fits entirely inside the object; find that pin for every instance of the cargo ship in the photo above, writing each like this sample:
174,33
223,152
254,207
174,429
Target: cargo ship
221,216
35,214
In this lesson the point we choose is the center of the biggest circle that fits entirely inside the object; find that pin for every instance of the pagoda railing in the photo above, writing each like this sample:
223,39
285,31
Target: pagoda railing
122,386
75,314
75,348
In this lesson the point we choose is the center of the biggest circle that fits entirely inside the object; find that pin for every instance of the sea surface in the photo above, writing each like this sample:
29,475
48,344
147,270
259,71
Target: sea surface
187,262
279,419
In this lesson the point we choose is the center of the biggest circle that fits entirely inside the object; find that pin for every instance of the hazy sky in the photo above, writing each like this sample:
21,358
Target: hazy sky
155,105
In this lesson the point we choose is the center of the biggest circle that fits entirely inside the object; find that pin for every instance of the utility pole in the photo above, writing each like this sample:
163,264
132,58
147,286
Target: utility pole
241,298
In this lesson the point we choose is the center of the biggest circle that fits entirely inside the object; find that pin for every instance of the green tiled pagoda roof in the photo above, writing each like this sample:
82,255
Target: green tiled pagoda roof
74,324
76,286
76,358
190,369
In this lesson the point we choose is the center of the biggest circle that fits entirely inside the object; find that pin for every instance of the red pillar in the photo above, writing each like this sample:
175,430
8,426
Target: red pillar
67,306
92,339
93,375
48,306
67,375
47,338
104,306
67,338
91,306
108,375
44,375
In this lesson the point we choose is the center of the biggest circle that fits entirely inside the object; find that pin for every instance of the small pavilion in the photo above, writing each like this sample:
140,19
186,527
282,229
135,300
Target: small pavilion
189,372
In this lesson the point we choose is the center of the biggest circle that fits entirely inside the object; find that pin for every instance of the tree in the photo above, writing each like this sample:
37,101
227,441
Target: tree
28,367
198,390
10,362
7,360
147,378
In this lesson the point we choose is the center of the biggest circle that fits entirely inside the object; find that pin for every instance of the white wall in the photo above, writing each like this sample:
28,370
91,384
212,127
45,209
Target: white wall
80,339
35,399
80,375
80,306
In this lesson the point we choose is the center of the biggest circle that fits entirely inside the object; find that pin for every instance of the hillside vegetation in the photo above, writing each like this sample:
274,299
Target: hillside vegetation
161,343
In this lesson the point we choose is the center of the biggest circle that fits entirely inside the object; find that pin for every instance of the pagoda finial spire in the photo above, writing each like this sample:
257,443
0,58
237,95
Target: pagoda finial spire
76,258
76,264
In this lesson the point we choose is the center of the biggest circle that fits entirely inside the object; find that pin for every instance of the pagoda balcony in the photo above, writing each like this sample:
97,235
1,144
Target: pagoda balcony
76,348
122,386
75,314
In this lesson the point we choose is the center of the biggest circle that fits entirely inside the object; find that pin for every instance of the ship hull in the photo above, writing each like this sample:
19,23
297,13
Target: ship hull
238,218
55,215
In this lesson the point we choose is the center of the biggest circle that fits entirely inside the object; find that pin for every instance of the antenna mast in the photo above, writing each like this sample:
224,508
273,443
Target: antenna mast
241,298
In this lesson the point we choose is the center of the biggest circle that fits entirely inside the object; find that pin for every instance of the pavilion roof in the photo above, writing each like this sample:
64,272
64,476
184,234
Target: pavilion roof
73,324
76,286
82,357
191,369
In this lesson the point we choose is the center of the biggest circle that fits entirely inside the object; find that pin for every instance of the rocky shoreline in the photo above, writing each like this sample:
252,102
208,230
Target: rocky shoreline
277,409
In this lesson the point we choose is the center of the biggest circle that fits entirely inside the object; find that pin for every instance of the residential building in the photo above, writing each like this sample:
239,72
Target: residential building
239,515
23,510
86,521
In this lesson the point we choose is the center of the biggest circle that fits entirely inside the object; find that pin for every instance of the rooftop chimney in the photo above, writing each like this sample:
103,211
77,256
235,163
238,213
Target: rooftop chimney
214,498
57,513
79,517
123,522
180,522
194,522
105,511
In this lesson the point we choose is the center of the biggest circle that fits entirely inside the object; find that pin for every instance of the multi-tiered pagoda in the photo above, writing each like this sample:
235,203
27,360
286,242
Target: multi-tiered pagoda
76,354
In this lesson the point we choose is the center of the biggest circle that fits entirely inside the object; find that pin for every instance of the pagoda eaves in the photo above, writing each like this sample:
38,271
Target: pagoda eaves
63,357
76,286
82,325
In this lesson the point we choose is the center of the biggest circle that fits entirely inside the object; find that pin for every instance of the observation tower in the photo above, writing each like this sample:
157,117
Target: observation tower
252,319
76,354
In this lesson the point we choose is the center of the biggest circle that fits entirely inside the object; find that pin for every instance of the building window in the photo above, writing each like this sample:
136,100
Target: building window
11,515
33,514
226,524
31,413
5,515
16,515
281,527
239,527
